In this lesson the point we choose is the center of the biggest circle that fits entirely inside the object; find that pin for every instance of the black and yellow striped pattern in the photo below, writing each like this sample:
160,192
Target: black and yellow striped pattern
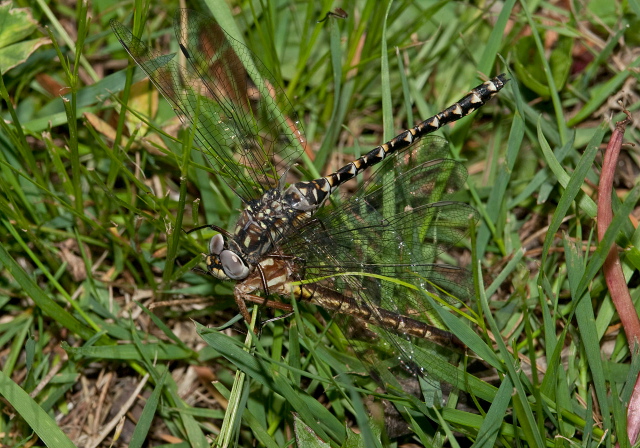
313,193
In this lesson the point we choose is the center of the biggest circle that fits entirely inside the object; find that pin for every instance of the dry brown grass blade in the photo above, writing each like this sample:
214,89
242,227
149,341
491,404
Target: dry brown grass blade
613,270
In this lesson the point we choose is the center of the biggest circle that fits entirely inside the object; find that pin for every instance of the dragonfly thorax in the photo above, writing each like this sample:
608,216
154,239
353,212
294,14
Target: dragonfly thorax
263,223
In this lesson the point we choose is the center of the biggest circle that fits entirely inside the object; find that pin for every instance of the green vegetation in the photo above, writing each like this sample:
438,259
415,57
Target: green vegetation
103,316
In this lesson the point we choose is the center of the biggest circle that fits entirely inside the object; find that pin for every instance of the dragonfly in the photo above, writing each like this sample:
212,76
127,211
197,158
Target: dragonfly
368,258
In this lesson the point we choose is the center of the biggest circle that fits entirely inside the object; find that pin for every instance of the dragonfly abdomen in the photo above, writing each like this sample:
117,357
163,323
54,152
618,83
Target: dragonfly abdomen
389,320
310,195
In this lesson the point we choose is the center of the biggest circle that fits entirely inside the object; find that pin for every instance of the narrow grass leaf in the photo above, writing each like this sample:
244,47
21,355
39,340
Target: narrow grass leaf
511,266
387,104
524,416
547,70
497,197
41,299
354,440
37,419
564,402
294,355
221,11
309,408
305,435
490,429
162,326
333,127
175,234
17,343
586,324
620,420
68,40
602,55
259,431
231,424
496,38
363,420
141,430
601,94
159,351
86,97
520,401
620,220
571,184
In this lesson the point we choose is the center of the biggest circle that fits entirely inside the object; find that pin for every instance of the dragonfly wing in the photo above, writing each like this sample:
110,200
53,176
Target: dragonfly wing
380,249
217,86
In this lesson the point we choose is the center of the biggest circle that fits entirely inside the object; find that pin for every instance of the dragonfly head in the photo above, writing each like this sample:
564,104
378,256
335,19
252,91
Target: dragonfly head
224,263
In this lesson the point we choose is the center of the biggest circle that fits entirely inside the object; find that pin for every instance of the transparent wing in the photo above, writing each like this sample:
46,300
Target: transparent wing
390,233
243,120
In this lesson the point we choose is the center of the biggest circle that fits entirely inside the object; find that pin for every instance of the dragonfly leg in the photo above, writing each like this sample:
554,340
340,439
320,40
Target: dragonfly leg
268,303
242,307
273,319
265,285
261,301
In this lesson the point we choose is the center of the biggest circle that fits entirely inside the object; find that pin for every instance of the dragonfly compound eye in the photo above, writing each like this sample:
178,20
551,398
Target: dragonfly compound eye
233,265
216,244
